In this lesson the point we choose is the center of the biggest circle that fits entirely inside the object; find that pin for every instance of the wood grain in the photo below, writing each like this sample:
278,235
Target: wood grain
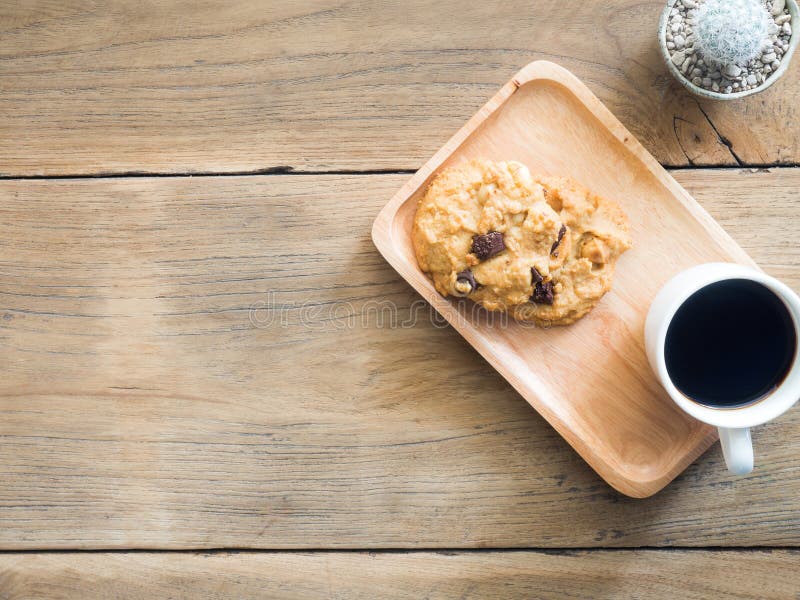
147,399
577,575
183,87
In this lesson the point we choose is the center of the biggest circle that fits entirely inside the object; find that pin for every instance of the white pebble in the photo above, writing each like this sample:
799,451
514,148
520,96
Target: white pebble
697,81
701,62
768,58
767,69
783,19
678,58
689,3
736,85
669,36
679,42
706,82
697,72
676,27
715,86
777,7
670,46
732,70
728,90
775,65
787,28
687,64
751,79
772,28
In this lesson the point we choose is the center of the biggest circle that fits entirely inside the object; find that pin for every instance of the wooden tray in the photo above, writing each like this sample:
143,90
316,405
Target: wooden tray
590,380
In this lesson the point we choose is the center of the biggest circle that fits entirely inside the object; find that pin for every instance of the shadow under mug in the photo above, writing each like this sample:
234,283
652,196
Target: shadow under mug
733,423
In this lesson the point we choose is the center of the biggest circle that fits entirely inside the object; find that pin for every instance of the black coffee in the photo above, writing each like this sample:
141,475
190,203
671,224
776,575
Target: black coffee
730,344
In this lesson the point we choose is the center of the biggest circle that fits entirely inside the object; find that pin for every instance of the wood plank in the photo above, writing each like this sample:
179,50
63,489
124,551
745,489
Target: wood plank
649,574
180,86
150,400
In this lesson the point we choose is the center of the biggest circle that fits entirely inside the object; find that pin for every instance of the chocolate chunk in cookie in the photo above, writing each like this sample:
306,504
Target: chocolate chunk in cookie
543,293
542,290
487,245
561,233
465,283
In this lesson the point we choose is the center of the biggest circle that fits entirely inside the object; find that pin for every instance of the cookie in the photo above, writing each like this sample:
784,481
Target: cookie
542,249
598,235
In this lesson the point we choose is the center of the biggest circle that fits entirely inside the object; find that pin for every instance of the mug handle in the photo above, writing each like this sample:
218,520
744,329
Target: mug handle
737,448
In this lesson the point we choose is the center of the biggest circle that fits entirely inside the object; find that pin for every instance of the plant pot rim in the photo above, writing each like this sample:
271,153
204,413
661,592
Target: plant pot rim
704,93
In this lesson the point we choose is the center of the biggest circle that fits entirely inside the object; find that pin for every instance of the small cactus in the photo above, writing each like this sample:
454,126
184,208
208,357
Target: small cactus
731,31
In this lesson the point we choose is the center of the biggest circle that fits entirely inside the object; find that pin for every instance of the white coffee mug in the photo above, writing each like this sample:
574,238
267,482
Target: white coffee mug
733,423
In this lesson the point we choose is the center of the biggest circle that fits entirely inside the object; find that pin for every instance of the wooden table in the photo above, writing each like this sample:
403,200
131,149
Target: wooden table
186,198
